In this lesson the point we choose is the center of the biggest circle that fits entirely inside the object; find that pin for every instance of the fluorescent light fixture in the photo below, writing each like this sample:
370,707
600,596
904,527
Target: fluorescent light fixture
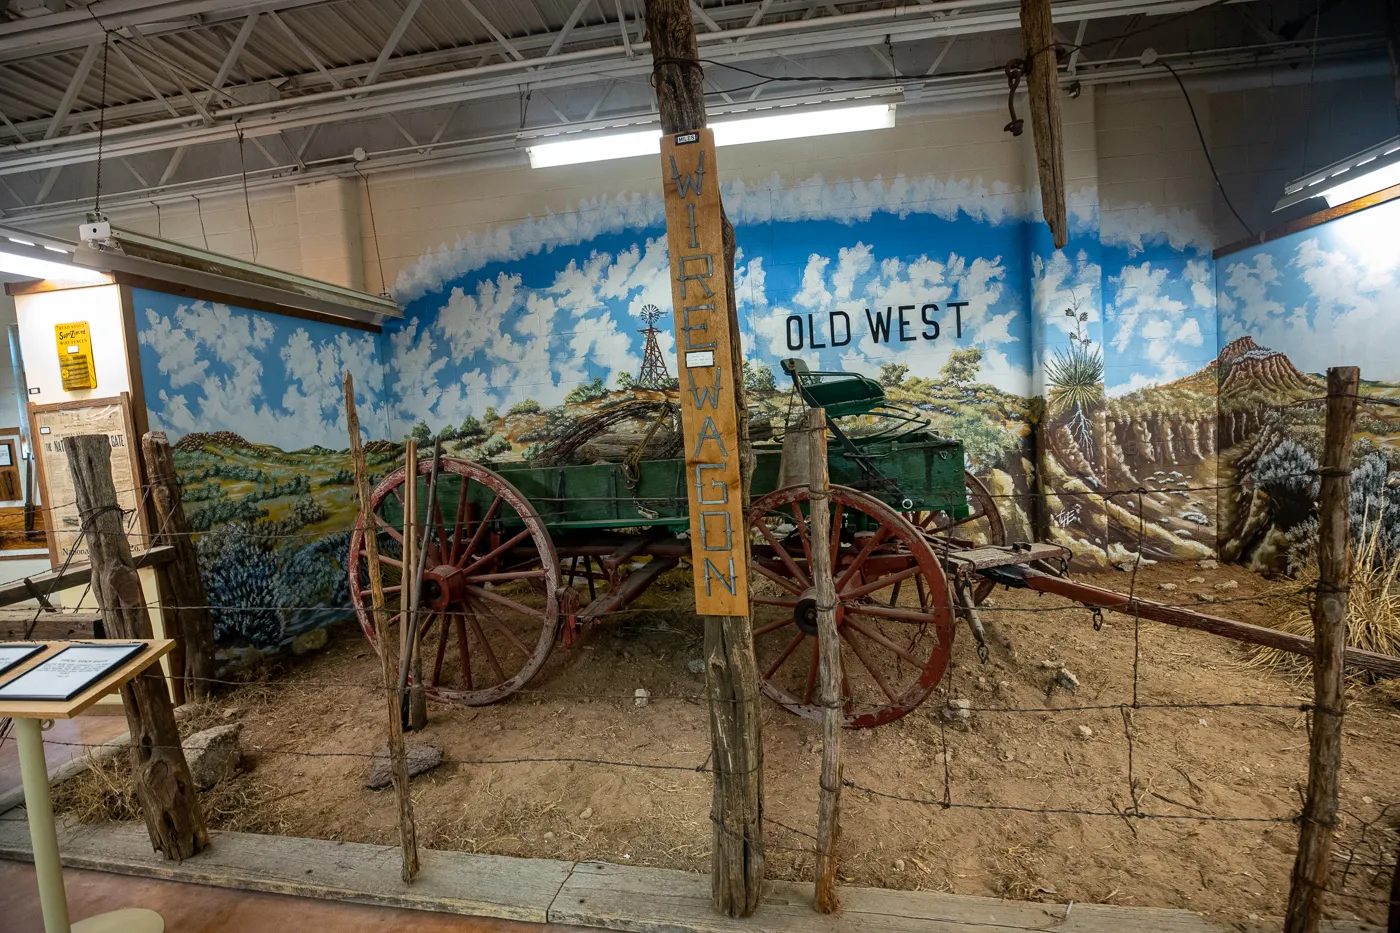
1354,177
729,131
15,239
32,267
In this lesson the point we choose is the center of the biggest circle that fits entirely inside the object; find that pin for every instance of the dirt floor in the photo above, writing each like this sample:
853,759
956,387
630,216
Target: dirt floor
1230,762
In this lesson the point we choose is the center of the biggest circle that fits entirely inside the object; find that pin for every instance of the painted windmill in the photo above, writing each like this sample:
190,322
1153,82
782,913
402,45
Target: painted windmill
653,374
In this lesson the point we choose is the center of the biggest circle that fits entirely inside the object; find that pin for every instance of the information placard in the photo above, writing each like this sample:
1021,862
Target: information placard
11,656
69,672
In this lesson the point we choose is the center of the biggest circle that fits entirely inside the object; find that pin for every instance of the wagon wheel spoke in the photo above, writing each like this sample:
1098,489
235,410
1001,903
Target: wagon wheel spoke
441,654
801,522
391,561
812,673
860,559
783,555
777,578
894,579
481,524
884,642
427,625
787,653
497,551
458,525
772,627
870,666
463,649
486,644
388,591
836,517
886,612
506,601
495,620
435,516
384,525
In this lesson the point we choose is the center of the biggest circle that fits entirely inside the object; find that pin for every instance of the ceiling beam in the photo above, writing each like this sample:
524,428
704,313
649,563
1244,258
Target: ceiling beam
392,43
235,50
952,89
584,67
562,35
75,85
495,33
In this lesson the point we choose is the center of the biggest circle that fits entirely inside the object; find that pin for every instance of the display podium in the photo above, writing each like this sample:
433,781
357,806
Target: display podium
44,681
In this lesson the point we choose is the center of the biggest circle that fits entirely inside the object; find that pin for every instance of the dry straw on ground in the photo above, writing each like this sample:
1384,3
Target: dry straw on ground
1373,609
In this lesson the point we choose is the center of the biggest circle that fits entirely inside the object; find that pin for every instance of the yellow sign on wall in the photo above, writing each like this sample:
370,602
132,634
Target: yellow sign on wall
709,406
75,363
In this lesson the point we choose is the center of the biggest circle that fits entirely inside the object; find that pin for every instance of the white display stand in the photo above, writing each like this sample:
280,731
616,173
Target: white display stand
29,717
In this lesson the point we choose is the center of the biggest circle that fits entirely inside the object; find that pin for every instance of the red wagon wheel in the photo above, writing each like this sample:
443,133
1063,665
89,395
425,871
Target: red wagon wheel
892,606
983,526
489,611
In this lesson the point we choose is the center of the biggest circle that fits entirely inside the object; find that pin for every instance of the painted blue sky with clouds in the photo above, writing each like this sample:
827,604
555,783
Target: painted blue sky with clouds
271,379
532,309
1324,296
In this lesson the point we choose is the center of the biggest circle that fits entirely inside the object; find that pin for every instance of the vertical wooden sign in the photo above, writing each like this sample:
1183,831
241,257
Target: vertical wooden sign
709,409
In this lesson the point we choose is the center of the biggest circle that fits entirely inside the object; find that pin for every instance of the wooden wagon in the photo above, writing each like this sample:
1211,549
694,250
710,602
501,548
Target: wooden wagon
522,556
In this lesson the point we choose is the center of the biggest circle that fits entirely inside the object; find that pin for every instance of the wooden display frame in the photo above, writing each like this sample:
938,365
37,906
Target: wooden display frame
52,521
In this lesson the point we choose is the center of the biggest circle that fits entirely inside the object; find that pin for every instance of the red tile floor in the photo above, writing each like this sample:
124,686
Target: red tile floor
89,729
191,908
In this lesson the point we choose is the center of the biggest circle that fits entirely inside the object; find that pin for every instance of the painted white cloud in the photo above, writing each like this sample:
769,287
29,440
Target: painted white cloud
218,382
1325,299
848,201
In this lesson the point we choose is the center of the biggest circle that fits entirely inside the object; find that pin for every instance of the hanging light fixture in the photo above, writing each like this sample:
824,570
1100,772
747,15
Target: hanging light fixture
1367,172
871,110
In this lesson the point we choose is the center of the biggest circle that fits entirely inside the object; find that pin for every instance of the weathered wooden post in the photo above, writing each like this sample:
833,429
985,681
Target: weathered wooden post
408,583
829,661
179,579
1043,87
701,243
408,836
1329,613
163,785
1393,924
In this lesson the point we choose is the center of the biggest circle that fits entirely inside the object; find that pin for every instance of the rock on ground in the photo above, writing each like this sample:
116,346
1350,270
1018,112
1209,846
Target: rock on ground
421,757
213,754
307,642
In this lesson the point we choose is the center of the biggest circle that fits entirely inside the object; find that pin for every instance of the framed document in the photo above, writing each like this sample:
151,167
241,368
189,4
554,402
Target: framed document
69,672
50,426
11,656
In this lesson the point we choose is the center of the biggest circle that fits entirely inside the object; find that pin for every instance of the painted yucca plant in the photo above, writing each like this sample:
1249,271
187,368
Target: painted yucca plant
1075,377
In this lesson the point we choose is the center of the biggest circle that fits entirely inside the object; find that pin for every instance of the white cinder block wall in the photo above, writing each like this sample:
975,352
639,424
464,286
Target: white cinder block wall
1135,142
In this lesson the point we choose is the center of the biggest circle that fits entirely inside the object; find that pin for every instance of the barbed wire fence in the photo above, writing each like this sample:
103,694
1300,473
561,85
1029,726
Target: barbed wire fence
1365,863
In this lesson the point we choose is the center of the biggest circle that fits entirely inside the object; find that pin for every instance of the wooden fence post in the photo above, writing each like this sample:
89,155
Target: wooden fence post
163,784
408,584
1329,612
829,663
731,671
1393,925
180,580
408,836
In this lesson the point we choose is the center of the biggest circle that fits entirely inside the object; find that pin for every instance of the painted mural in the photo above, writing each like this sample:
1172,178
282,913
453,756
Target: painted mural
253,407
946,291
1289,309
528,342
